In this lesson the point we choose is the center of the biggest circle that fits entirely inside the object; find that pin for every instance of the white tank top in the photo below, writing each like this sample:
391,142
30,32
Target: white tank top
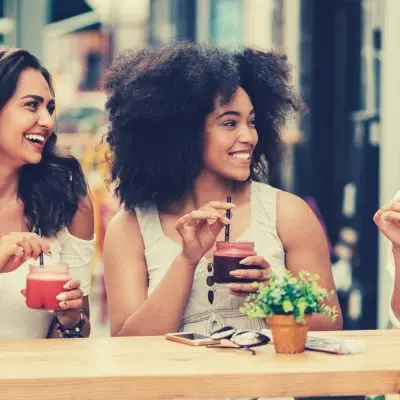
200,315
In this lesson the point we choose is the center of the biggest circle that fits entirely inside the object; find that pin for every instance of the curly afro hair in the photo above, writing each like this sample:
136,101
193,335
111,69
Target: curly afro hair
158,101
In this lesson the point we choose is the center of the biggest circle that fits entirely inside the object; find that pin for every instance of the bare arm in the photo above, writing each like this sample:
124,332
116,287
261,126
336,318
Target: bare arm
307,249
387,218
82,227
396,288
132,312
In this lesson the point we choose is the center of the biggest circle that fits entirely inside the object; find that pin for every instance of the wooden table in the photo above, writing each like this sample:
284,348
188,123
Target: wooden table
153,368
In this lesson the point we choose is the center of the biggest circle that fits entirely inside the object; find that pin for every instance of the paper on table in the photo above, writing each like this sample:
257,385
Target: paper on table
328,344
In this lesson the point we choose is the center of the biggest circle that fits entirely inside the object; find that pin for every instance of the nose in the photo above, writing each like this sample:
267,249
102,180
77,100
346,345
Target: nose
46,120
247,135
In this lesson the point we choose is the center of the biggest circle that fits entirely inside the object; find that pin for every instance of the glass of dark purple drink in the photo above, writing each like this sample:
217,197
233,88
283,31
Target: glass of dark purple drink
227,257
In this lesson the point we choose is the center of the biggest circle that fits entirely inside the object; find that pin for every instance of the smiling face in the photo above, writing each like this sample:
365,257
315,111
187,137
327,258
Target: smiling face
230,138
26,120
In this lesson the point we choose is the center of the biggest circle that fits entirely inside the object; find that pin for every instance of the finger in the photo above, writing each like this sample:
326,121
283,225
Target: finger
71,295
220,205
255,260
377,217
71,304
391,216
26,246
72,284
204,214
35,246
18,253
242,287
254,274
215,212
393,206
217,226
14,250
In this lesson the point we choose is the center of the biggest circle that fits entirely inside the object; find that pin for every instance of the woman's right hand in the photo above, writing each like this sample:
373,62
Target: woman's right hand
17,247
200,228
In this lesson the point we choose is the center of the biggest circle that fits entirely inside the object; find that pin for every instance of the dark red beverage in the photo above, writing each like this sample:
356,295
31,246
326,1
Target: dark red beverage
43,284
227,258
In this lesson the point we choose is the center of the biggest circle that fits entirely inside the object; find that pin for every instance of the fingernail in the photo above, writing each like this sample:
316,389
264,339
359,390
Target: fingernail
67,286
226,220
243,262
233,205
235,273
61,296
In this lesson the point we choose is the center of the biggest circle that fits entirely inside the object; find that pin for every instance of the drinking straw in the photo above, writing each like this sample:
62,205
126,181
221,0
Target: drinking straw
228,215
41,253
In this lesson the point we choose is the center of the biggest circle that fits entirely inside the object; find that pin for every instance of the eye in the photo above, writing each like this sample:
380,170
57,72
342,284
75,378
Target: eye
32,105
230,124
252,122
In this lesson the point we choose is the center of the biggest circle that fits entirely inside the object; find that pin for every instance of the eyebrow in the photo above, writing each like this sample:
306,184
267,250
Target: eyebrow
235,113
39,99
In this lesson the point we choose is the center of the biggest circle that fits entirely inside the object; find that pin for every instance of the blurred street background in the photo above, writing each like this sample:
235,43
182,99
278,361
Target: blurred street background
343,157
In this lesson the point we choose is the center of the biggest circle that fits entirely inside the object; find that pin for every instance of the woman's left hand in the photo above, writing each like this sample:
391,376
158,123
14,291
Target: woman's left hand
259,274
71,302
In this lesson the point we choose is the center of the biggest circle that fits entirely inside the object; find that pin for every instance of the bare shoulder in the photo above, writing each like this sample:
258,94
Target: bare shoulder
124,227
82,225
296,221
290,206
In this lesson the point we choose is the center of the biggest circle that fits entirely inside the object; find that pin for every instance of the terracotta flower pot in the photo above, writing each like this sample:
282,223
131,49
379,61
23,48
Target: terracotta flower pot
288,335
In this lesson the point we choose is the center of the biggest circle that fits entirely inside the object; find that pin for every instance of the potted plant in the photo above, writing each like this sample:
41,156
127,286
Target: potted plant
287,302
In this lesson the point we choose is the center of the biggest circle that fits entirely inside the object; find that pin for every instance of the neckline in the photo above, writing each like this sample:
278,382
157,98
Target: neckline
204,258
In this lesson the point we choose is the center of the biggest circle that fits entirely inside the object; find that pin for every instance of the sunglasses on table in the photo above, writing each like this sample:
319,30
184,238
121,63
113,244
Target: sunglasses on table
241,338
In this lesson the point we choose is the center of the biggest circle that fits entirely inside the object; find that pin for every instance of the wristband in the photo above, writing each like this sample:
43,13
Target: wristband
74,332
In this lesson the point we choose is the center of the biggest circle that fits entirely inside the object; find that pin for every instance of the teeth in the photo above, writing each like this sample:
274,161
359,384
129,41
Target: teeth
36,138
241,156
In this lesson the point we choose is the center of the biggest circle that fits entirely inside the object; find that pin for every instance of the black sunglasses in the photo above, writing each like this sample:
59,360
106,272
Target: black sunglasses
241,338
210,282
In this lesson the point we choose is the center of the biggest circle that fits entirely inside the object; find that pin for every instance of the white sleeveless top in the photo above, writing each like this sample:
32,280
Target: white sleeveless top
200,316
17,320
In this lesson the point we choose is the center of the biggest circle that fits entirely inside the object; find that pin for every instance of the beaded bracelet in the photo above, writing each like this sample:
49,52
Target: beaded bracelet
74,332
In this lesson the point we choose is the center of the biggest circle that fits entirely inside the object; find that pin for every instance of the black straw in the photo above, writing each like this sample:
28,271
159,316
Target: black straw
228,215
41,253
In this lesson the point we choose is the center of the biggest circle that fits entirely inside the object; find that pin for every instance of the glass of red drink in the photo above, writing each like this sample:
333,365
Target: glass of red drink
227,257
43,284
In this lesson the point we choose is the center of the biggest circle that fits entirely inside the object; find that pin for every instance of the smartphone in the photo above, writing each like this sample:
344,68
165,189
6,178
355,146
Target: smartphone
191,338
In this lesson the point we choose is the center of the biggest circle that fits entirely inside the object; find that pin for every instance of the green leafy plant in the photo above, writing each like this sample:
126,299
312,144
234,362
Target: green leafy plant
288,294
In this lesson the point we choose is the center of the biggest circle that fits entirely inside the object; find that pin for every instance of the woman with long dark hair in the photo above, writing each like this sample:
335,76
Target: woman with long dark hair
190,126
45,211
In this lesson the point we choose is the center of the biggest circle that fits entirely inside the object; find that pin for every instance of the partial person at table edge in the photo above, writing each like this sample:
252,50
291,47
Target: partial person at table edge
387,218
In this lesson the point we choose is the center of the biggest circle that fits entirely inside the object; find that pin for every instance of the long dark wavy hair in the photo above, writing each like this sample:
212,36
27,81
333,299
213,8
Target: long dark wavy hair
51,189
158,102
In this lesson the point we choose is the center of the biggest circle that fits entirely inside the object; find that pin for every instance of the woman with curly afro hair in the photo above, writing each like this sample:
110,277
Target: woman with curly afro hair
191,125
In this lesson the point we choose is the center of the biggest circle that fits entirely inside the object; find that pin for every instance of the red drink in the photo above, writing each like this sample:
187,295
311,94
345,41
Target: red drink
227,257
43,284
